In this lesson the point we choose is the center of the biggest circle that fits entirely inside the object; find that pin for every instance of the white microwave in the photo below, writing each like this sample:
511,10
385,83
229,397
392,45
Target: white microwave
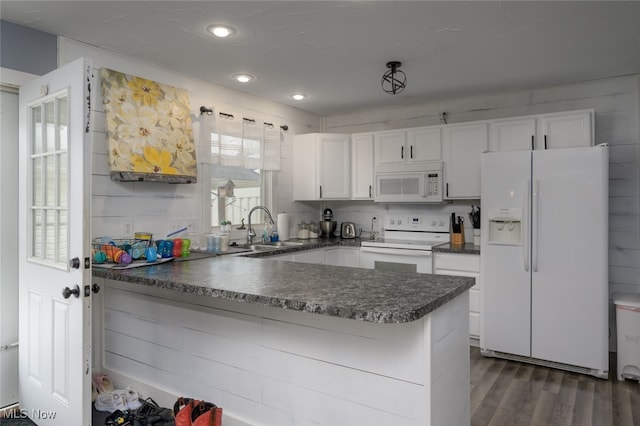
424,186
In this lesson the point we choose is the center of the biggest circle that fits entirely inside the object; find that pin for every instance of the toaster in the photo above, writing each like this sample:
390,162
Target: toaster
348,230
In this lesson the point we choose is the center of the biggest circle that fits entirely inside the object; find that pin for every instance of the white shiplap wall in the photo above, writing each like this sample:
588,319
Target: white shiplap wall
616,102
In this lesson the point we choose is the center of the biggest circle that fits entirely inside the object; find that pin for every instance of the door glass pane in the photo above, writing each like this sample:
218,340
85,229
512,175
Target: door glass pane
62,123
49,119
50,180
62,160
49,177
49,234
62,236
37,234
36,129
37,181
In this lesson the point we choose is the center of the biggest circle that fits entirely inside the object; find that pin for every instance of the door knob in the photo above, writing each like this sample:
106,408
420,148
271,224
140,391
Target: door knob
95,288
74,263
67,292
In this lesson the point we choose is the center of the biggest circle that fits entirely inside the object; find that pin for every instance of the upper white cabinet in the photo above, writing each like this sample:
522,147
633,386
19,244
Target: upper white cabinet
321,166
545,131
406,146
362,166
463,144
513,134
566,130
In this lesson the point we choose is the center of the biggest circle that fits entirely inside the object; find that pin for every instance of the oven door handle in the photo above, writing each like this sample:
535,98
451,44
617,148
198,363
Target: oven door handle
395,251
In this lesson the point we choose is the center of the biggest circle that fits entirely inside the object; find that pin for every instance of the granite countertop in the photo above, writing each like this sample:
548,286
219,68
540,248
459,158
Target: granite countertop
353,293
468,248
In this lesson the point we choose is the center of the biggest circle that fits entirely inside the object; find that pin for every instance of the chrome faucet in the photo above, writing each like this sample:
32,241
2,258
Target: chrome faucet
250,232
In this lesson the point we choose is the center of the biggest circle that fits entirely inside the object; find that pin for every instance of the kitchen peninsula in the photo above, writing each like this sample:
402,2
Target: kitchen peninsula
284,343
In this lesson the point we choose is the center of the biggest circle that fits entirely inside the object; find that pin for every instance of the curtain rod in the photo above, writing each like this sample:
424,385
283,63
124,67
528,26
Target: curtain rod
209,111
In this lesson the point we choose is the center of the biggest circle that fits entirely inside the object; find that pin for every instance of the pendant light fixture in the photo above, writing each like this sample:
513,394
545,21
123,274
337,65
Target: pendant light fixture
394,81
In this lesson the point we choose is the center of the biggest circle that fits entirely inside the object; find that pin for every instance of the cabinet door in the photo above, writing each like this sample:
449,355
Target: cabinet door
463,145
390,147
332,256
349,256
309,256
362,167
424,144
334,166
305,172
566,130
513,135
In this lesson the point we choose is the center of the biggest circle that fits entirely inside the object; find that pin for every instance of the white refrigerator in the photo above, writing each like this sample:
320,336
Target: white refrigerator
544,266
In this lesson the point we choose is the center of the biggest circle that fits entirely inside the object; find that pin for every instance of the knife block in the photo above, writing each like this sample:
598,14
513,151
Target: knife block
457,239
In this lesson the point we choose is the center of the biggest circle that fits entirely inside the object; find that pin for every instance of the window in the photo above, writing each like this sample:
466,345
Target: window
242,155
49,183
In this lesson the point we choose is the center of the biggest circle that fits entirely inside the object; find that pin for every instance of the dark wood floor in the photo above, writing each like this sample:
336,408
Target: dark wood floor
513,393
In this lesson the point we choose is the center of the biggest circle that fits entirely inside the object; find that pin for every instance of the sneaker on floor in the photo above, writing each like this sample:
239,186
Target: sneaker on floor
131,396
111,401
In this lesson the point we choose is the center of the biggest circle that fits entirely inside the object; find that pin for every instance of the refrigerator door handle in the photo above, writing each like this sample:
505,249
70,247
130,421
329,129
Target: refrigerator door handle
525,245
534,231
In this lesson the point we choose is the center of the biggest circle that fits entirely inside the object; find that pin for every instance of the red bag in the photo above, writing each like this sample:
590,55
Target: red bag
206,414
182,410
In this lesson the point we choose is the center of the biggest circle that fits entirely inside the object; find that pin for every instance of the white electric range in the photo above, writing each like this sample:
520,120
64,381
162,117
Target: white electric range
407,243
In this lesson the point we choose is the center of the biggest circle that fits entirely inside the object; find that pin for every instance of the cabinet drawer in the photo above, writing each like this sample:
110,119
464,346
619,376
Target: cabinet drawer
457,262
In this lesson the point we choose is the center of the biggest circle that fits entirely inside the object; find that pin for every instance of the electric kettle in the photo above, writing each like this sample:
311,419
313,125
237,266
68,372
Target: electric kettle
348,230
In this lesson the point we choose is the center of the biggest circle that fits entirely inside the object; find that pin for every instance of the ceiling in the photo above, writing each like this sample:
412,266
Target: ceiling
336,52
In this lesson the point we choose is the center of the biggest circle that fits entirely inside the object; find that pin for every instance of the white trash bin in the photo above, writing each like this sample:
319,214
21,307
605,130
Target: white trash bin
628,338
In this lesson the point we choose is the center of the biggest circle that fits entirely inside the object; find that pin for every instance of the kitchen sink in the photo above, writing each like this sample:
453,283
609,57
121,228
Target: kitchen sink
282,244
266,247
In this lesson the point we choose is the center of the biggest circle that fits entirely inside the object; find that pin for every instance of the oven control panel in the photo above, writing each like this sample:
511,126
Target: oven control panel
420,222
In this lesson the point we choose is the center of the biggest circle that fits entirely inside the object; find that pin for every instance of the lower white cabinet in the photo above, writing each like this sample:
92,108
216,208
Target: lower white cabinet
309,256
342,256
335,256
465,265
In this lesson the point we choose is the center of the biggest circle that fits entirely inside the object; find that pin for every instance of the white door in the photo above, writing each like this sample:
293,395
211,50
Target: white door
54,228
505,300
569,288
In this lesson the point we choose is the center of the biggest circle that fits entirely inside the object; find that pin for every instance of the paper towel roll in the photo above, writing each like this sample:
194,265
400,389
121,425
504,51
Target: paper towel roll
283,226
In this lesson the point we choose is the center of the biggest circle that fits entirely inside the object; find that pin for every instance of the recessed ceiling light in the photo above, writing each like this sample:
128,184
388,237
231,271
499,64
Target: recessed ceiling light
221,30
298,96
244,78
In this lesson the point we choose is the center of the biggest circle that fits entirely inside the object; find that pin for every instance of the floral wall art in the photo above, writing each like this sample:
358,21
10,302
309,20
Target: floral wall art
149,131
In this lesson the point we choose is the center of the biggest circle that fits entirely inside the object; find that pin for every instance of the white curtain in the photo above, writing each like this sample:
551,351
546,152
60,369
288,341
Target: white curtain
241,142
271,143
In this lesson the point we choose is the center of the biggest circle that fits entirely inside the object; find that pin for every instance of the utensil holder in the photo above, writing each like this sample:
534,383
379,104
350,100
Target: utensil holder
457,239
